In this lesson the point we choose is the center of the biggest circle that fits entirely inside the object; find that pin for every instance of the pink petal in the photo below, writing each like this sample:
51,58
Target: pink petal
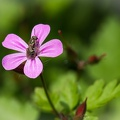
12,61
53,48
14,42
33,68
41,31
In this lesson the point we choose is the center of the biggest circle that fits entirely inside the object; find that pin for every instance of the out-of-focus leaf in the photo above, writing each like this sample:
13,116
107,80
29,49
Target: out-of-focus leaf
90,118
94,91
42,101
46,116
99,95
106,40
10,11
67,89
64,94
108,91
54,7
11,109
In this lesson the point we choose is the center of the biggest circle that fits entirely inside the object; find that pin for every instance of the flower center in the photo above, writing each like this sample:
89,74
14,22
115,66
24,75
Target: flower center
32,50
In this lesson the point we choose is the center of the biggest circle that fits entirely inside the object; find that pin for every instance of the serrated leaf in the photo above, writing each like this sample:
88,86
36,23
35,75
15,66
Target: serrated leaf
107,91
94,91
99,95
88,116
111,91
42,101
66,87
64,94
116,91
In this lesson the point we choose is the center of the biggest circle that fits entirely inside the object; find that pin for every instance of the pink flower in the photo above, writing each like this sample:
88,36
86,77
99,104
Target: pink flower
30,53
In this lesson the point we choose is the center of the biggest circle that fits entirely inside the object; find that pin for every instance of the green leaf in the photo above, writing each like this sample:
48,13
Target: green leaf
63,91
116,91
94,91
11,109
100,94
90,118
67,88
108,91
42,101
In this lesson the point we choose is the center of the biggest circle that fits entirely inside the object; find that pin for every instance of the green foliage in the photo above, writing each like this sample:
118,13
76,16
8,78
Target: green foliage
53,7
79,23
89,117
10,12
106,40
11,109
64,94
100,94
41,99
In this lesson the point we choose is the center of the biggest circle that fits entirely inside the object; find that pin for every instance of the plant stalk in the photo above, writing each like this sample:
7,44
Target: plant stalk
48,97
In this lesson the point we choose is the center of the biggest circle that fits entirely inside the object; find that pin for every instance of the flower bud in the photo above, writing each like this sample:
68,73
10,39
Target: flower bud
95,59
81,111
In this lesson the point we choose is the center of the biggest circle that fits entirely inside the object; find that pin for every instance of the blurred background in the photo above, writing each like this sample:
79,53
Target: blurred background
90,27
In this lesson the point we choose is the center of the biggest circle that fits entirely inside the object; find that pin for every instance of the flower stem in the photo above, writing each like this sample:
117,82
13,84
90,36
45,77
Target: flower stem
48,97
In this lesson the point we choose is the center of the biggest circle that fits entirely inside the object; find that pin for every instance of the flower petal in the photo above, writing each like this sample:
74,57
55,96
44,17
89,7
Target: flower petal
41,31
12,61
33,68
53,48
14,42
